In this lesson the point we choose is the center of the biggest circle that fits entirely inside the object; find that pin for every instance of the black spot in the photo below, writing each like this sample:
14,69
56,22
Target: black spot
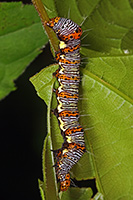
77,30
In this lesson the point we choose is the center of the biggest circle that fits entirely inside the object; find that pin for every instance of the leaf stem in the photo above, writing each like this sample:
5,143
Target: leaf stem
44,18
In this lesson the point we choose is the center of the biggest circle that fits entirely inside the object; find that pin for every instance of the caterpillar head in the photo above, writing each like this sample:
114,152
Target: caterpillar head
52,22
65,29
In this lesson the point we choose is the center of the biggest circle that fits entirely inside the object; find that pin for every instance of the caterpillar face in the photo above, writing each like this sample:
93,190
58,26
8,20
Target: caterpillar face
53,22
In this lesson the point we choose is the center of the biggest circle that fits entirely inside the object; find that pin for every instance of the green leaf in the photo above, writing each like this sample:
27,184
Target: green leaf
77,193
43,82
41,187
44,87
105,104
21,37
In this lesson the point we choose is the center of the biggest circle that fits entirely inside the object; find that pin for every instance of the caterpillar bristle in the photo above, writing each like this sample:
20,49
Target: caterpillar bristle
87,30
83,20
84,36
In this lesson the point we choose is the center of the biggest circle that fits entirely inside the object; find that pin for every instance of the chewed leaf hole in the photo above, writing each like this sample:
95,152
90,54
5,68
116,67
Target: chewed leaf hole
85,183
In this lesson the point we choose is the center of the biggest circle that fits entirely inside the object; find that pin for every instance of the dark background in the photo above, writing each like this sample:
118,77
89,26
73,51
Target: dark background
23,129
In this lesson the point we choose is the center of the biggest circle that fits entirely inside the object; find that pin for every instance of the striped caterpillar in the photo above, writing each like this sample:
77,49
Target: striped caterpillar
67,95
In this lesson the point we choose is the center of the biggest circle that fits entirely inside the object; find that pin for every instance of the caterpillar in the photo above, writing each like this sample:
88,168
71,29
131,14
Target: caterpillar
67,94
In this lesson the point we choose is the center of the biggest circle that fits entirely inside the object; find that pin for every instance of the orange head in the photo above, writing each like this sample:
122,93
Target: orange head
52,21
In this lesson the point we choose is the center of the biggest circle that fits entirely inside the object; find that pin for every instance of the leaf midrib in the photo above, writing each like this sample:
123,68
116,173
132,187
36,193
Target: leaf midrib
109,86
